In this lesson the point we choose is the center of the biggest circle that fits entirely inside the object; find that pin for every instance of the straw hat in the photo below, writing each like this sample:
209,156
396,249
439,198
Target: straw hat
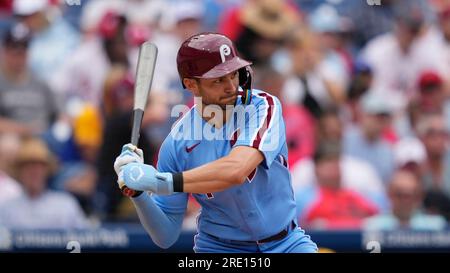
271,19
34,150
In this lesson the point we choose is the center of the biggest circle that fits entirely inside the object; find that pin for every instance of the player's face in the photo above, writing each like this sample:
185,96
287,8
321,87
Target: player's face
219,91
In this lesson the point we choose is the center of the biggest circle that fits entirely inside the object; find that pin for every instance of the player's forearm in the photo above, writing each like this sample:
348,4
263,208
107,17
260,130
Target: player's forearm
215,176
163,228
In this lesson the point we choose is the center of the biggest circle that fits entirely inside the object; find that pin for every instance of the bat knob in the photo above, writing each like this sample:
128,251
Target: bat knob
130,192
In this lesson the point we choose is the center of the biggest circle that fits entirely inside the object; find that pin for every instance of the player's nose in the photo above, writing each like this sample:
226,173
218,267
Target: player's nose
230,85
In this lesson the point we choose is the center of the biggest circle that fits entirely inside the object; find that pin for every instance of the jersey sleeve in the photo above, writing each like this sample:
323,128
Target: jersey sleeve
175,203
262,127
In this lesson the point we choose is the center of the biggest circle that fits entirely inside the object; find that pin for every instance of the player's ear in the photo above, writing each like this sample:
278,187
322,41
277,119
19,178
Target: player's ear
191,85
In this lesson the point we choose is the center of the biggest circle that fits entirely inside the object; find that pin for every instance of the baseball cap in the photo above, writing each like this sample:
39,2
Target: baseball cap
429,79
409,150
17,36
28,7
179,11
325,19
188,10
373,103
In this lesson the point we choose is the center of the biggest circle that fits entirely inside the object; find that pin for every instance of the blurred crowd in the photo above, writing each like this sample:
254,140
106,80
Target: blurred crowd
365,91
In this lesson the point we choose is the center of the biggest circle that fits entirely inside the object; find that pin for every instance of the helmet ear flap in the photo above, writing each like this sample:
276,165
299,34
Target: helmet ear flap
245,77
245,81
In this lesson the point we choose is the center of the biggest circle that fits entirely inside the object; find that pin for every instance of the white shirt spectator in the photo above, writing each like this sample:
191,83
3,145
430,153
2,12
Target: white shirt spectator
9,189
331,69
83,75
49,51
441,48
51,210
396,73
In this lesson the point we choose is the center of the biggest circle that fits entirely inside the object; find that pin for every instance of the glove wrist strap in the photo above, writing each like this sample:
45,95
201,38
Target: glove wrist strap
178,182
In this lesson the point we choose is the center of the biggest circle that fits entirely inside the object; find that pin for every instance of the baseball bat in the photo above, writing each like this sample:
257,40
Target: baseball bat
144,76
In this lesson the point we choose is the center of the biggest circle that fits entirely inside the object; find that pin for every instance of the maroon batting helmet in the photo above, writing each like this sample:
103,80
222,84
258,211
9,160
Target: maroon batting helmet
212,55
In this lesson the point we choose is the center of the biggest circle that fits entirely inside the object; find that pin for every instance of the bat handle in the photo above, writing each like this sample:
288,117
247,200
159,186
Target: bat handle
138,114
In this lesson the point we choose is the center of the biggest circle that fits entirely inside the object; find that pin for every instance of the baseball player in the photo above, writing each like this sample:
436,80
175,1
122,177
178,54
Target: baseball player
239,176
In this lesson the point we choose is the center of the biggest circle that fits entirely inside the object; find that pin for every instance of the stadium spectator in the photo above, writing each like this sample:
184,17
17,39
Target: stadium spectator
331,206
78,174
27,106
82,77
439,35
313,80
357,175
262,28
38,207
434,135
179,22
365,140
360,82
371,21
9,188
410,155
332,30
405,194
436,174
444,25
430,98
48,51
398,57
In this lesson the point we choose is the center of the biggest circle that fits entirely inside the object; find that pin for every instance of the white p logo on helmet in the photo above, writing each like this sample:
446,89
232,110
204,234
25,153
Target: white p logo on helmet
225,50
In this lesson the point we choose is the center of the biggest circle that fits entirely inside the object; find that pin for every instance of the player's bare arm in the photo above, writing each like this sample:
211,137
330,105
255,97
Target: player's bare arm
223,173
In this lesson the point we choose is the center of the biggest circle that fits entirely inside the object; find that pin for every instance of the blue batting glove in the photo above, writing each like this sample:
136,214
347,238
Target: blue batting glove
129,154
142,177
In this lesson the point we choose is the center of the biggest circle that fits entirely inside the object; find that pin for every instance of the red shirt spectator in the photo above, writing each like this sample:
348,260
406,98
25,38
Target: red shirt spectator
334,206
339,209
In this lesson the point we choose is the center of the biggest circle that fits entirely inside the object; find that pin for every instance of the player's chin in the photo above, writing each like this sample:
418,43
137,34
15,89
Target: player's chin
229,100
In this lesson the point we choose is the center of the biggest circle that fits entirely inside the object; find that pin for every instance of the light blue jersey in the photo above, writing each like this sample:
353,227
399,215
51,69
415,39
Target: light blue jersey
263,205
